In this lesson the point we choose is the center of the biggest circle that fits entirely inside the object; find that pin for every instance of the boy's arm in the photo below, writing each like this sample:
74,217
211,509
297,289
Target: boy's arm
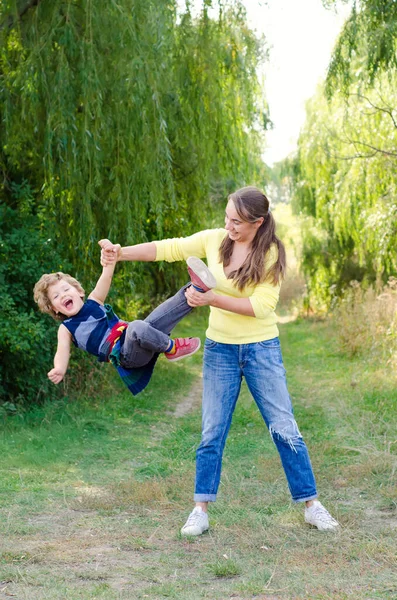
103,284
61,358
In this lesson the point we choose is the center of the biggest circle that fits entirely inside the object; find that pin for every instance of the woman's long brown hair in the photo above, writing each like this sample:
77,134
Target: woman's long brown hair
251,204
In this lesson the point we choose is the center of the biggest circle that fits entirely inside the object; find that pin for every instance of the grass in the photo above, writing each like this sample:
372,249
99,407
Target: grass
94,492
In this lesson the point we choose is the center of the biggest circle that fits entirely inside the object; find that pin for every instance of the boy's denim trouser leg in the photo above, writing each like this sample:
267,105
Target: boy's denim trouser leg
144,339
262,366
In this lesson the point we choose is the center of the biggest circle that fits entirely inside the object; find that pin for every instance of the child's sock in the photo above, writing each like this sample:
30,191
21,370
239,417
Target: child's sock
171,347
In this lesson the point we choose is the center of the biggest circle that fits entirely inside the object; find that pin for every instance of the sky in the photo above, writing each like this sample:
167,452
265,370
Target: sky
301,35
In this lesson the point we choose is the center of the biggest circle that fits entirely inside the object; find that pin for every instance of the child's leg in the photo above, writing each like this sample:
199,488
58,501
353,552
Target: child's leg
168,314
145,338
141,343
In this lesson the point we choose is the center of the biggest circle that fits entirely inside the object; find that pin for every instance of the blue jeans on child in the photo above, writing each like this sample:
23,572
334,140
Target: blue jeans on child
144,339
262,366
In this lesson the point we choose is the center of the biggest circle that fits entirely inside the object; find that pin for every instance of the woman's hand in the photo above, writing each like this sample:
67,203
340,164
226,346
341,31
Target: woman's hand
195,298
110,253
240,306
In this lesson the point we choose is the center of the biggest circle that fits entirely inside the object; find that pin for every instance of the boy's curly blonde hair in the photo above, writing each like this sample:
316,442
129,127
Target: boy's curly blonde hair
40,292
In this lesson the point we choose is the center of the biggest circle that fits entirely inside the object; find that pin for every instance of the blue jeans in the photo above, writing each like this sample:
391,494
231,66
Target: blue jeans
262,366
144,339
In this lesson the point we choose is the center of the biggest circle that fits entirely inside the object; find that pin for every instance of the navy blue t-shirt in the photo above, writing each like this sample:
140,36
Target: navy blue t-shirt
89,328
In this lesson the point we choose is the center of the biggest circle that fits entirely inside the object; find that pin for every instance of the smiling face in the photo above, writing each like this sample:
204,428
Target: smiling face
65,298
239,230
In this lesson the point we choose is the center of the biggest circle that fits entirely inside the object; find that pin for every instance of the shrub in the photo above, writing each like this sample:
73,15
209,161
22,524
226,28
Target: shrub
367,319
28,338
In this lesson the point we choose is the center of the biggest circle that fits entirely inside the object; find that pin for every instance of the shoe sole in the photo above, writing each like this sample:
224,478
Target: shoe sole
324,528
202,271
194,534
185,355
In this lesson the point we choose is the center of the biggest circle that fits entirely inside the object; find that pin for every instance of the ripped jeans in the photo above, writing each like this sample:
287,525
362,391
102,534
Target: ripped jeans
262,366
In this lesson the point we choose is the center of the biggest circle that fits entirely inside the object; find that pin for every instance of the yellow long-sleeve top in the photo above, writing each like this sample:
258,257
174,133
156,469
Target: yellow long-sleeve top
225,326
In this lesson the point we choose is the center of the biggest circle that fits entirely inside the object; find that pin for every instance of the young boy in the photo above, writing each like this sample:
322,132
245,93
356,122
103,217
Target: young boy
92,326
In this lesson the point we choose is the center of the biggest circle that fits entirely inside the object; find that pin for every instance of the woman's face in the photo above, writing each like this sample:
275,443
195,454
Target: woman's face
238,230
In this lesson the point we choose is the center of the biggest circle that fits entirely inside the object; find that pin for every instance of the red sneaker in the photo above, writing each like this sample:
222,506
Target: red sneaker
200,275
184,347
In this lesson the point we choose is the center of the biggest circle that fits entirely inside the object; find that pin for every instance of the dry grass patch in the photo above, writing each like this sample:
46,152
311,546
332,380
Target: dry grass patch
144,493
366,319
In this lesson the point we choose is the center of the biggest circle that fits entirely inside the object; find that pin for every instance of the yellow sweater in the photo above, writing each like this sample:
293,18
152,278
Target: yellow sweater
225,326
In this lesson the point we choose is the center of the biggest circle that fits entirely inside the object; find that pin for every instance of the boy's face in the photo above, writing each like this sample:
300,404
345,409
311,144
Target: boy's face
64,298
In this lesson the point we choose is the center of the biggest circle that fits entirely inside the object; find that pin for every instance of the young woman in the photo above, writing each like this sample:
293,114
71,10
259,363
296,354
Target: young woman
248,262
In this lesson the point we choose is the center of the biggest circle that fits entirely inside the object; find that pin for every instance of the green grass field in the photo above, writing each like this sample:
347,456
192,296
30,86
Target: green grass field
94,491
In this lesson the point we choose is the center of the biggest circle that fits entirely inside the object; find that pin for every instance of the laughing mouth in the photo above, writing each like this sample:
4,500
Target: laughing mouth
68,304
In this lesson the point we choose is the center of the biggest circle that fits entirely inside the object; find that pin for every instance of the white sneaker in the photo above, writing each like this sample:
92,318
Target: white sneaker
196,523
318,516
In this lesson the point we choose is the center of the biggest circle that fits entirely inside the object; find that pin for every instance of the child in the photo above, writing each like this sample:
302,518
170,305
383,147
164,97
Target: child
92,326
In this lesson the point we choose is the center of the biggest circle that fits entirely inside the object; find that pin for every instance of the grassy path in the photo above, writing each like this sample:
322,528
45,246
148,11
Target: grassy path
93,494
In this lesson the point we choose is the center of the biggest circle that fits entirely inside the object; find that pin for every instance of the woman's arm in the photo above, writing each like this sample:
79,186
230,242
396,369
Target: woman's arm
170,250
260,304
112,253
240,306
61,358
145,252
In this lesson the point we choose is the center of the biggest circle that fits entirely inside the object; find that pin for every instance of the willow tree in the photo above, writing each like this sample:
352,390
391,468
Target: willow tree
121,114
370,33
346,185
119,118
345,171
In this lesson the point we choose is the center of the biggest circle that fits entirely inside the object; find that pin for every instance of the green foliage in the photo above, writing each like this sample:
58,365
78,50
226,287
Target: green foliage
122,120
126,113
366,45
28,339
345,184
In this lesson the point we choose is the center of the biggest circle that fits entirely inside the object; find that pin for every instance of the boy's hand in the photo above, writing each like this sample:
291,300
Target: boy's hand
110,253
56,375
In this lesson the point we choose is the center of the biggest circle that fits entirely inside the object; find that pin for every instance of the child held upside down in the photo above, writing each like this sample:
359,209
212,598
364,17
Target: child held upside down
92,325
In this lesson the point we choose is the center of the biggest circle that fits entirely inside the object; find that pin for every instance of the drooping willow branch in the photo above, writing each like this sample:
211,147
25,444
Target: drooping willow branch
21,11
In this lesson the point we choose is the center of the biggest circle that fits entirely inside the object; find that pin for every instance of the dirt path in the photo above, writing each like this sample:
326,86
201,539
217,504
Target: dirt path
192,401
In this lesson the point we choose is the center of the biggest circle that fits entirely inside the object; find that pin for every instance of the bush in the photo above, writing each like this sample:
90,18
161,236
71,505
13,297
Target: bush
28,338
367,319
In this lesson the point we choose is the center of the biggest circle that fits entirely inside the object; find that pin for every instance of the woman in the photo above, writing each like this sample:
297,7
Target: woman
248,262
